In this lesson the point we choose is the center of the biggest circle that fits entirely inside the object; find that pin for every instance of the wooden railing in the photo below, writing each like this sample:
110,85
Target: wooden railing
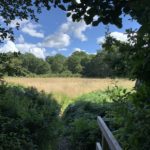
108,140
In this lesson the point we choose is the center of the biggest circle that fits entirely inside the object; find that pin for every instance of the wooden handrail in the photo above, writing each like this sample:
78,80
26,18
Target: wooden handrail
98,146
108,140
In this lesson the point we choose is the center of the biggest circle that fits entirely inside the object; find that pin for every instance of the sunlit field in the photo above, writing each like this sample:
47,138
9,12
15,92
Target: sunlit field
71,87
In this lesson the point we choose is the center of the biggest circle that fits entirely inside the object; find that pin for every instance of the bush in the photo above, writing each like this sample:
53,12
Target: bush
132,114
81,128
28,119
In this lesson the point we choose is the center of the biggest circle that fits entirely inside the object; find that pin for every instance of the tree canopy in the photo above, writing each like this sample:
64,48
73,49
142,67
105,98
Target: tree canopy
106,11
57,63
106,63
109,11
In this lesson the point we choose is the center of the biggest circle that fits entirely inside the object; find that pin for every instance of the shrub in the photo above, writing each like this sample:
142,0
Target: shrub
28,119
82,130
132,114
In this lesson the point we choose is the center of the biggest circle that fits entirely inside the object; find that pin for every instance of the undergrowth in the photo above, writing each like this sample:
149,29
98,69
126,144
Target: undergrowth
34,120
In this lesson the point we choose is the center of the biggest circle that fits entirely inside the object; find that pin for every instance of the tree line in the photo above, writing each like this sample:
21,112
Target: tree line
106,63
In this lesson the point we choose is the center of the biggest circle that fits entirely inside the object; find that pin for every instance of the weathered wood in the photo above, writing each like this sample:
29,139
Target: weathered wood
104,144
98,146
112,142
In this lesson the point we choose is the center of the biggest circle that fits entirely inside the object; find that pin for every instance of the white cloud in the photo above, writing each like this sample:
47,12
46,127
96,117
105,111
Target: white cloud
31,29
22,22
58,40
35,49
27,27
82,50
75,28
61,39
25,47
32,48
117,35
38,52
100,40
79,50
9,46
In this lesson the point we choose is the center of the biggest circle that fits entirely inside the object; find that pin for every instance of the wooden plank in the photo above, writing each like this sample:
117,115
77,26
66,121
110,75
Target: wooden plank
112,142
104,144
98,146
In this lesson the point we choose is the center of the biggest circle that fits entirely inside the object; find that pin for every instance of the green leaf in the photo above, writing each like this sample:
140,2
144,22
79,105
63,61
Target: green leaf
62,7
68,14
66,1
95,23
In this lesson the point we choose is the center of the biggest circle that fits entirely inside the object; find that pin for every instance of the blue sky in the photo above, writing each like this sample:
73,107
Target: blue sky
55,33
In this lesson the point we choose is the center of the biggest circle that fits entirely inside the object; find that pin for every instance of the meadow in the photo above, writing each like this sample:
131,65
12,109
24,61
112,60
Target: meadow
71,87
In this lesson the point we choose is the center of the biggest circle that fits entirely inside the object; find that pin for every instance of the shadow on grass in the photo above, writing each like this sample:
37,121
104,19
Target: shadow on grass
81,130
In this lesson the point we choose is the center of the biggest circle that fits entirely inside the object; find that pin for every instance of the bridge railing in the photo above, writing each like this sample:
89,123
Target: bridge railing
108,140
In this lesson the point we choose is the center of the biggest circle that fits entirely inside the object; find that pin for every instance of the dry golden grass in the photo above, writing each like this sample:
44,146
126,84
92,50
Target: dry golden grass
71,87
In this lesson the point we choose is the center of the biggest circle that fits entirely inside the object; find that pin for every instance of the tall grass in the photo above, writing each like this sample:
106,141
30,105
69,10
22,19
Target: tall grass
71,87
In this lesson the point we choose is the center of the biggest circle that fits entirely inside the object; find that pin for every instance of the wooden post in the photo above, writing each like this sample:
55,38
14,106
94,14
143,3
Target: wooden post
98,146
104,144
